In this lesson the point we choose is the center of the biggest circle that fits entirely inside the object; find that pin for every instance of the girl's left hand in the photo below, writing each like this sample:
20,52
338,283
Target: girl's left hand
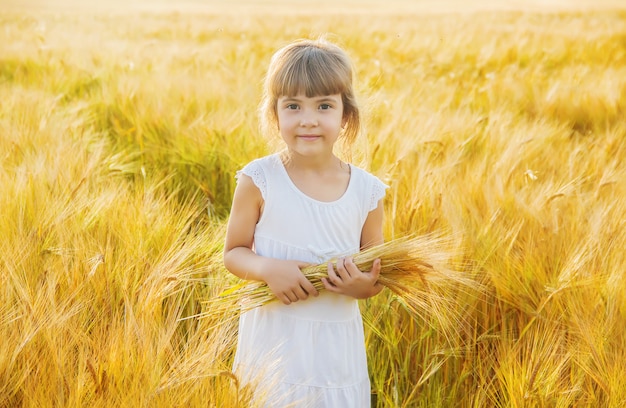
349,280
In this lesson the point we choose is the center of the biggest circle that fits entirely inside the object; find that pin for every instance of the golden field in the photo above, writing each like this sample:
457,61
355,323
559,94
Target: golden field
500,124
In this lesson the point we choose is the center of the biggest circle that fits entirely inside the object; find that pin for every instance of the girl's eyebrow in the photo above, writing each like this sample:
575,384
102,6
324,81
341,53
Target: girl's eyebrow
320,99
290,99
326,99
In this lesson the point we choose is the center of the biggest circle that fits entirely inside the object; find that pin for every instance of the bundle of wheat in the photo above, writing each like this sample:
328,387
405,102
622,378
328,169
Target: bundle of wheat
415,268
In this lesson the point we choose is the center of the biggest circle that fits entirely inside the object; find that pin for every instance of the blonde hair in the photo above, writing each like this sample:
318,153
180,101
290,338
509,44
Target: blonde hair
316,68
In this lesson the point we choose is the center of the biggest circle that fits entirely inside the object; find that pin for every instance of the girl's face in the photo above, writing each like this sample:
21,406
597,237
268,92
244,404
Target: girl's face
310,126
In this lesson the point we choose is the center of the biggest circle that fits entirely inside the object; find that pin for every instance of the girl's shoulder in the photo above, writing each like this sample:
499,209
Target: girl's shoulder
264,161
259,170
366,176
372,187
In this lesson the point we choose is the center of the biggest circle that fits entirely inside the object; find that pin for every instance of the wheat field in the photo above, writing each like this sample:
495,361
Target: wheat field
500,124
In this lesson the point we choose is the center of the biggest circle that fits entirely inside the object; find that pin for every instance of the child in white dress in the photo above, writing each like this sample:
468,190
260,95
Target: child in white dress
302,206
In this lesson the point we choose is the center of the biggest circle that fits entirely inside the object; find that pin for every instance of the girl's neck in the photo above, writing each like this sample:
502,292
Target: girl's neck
296,162
323,179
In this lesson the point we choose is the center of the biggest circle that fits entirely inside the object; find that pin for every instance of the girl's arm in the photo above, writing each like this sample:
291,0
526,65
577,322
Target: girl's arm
372,232
347,279
284,278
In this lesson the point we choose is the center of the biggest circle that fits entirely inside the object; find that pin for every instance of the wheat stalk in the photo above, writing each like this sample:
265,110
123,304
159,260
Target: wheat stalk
412,268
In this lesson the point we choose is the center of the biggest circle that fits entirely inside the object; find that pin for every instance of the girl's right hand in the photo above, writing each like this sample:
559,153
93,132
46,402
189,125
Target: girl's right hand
286,280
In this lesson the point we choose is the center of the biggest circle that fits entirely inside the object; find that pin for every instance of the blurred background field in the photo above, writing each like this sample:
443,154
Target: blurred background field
498,123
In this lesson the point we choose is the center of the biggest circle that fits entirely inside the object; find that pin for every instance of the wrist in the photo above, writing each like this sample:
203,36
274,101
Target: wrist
264,268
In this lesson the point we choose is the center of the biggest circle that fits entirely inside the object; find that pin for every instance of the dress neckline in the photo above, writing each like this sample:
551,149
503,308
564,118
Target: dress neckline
290,182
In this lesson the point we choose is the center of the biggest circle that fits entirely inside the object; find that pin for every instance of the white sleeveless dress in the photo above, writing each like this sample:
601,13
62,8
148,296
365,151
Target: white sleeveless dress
310,353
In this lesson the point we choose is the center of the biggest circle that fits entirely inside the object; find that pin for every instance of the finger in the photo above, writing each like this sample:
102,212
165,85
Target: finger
300,293
285,300
291,296
341,269
308,287
376,268
329,286
351,267
333,278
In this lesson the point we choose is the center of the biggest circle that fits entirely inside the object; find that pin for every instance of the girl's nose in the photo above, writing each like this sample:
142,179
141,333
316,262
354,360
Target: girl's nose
308,121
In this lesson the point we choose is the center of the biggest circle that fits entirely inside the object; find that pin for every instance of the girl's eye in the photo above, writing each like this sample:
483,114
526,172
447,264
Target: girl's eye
292,106
325,106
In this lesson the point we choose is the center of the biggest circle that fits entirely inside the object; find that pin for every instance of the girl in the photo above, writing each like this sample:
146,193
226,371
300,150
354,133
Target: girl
300,206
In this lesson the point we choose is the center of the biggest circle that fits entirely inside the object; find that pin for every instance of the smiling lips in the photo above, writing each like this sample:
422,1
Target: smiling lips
309,137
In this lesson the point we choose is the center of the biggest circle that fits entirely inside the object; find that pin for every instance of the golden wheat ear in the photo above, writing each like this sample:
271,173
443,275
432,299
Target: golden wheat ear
417,269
